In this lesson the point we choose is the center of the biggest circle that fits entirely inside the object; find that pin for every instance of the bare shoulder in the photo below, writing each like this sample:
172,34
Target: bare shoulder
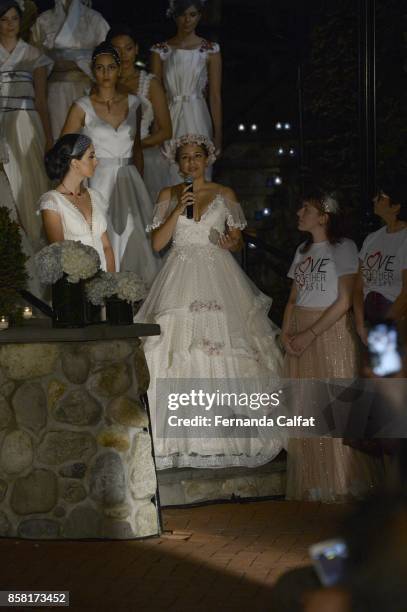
227,193
165,194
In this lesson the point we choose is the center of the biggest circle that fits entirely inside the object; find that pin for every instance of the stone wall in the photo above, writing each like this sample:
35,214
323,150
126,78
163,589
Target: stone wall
75,452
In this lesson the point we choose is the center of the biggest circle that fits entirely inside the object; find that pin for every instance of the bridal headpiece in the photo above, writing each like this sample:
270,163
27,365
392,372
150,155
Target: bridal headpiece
81,145
172,6
330,205
198,139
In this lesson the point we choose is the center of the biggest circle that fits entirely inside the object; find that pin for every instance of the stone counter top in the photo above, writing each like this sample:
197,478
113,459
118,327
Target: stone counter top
40,330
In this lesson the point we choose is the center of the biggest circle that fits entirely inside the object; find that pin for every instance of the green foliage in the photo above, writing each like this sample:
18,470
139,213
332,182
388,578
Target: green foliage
13,275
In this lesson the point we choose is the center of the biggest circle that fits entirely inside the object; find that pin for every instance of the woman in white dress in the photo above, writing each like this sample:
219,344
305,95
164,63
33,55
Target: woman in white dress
189,67
71,211
68,33
213,320
112,121
23,104
155,120
7,200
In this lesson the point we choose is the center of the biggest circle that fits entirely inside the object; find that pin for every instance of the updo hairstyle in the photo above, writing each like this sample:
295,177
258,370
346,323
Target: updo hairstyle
58,159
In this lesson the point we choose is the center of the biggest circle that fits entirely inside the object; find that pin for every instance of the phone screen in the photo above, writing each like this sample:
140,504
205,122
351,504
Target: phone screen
383,344
329,561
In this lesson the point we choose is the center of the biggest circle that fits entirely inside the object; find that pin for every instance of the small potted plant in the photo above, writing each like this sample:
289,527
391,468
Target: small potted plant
65,266
119,291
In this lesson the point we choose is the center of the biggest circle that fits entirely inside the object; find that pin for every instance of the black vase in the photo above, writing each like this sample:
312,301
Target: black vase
118,312
68,304
93,313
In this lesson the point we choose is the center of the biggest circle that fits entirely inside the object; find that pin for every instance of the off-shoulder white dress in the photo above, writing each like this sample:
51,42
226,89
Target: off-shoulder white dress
214,325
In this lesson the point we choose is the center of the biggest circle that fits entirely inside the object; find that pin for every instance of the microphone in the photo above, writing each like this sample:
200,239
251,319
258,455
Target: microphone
189,182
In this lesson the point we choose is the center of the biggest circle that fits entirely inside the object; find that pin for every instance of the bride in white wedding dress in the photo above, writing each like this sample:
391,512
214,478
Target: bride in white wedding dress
213,320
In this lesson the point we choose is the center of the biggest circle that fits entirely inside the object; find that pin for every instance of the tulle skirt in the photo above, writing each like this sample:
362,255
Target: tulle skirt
214,325
25,169
129,212
324,469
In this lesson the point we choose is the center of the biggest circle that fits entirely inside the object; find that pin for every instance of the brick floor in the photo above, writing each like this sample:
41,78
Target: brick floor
231,560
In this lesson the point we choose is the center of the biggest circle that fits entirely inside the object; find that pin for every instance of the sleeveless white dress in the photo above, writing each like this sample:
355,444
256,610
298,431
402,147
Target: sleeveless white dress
185,78
23,133
214,325
156,166
120,183
74,224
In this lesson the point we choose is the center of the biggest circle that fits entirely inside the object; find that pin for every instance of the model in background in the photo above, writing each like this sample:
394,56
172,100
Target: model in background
71,211
30,13
155,120
112,121
381,288
320,344
23,102
68,33
190,69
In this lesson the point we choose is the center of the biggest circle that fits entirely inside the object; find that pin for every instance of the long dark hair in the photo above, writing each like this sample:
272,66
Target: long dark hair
58,159
6,5
335,227
120,29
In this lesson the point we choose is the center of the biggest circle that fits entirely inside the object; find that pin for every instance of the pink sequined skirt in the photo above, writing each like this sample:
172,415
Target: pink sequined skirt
323,469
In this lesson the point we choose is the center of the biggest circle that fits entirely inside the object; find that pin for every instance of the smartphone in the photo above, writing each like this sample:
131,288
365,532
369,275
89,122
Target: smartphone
384,349
329,559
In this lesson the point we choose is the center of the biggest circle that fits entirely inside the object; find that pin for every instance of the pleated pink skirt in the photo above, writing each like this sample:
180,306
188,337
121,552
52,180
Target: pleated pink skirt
323,469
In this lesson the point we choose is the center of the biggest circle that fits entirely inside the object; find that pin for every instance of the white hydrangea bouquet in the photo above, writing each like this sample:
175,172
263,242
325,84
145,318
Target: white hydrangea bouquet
74,259
126,286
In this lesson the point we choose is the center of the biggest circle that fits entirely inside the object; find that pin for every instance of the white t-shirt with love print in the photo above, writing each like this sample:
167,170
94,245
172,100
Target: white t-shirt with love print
383,258
316,272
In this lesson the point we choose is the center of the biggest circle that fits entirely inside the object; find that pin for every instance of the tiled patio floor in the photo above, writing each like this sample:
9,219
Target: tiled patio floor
233,556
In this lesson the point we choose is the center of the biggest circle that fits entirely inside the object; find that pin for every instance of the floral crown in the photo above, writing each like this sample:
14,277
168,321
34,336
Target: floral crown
330,205
198,139
172,7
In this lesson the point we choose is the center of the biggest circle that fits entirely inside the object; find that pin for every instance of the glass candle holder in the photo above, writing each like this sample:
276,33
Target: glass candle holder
27,312
3,322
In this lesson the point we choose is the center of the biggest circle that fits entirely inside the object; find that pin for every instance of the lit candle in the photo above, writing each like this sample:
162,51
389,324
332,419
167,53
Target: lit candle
27,312
3,322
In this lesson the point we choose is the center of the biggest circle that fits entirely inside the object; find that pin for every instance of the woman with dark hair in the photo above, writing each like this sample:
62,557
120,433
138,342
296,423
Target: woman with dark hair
155,120
190,67
320,343
68,33
23,104
213,320
71,211
381,287
112,120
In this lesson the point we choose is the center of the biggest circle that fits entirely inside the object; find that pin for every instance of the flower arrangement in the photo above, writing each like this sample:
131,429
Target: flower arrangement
76,260
126,286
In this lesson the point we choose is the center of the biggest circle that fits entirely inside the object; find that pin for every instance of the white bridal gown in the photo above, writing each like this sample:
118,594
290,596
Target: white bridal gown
120,183
7,200
23,133
185,78
74,224
68,35
214,325
156,166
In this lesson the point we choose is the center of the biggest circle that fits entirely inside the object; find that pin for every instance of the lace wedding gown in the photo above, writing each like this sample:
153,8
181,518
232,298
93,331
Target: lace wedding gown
185,77
74,224
120,183
214,325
